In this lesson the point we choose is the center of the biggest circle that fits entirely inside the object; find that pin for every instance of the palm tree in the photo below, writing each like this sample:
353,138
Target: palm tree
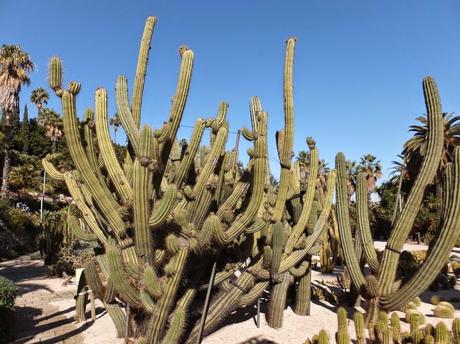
372,170
115,122
52,122
39,97
15,67
415,147
351,170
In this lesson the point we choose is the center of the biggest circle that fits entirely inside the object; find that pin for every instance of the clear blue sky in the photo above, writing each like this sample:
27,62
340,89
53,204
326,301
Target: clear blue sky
357,73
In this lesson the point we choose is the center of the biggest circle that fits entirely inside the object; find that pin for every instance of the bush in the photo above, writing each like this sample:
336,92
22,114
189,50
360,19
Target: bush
8,293
72,255
18,231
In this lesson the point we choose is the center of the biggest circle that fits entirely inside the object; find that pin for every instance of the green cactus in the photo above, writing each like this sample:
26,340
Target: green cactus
381,293
442,333
359,328
456,329
444,311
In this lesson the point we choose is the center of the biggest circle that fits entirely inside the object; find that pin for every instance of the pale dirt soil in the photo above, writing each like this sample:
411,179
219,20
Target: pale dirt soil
46,310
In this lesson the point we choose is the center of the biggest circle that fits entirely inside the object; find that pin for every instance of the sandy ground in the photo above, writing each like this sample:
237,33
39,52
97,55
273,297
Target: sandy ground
239,328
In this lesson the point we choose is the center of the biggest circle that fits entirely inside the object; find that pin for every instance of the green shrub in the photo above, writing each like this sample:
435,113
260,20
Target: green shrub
71,256
8,292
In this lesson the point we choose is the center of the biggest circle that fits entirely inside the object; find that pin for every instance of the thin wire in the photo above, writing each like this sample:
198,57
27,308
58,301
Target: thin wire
191,126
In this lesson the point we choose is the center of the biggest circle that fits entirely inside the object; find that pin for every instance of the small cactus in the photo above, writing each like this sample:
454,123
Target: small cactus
444,311
442,333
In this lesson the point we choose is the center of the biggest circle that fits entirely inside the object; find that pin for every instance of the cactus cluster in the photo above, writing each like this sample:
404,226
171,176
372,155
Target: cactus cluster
380,286
172,212
161,220
388,331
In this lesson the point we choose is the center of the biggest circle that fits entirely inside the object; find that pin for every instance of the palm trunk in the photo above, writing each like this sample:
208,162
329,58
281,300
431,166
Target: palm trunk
6,170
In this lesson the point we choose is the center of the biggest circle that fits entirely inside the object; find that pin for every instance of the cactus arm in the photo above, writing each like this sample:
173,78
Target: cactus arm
151,282
104,200
111,164
76,228
318,231
230,203
249,298
178,104
274,314
51,170
303,295
259,172
363,222
79,200
190,152
141,69
307,203
223,304
118,275
160,214
344,224
440,251
142,183
219,121
90,149
124,111
277,249
198,208
435,138
55,74
285,148
157,323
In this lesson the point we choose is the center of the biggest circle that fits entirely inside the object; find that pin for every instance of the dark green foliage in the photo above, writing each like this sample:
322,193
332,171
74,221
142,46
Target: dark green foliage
24,131
8,292
18,230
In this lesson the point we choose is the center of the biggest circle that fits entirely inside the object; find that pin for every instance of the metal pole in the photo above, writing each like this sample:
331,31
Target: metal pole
206,302
127,324
258,312
43,197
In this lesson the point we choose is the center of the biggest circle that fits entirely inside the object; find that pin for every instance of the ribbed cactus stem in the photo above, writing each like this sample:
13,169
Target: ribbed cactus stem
359,328
111,164
439,253
86,212
303,295
125,114
435,141
274,314
55,73
104,200
363,222
141,68
344,224
118,275
190,152
285,151
442,333
160,214
277,249
323,337
157,323
342,319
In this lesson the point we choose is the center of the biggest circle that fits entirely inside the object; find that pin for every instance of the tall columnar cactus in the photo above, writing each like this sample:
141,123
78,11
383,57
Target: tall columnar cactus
379,286
157,223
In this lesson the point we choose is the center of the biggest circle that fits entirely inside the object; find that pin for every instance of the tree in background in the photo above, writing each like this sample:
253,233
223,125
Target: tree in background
15,67
39,97
372,169
415,147
24,131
